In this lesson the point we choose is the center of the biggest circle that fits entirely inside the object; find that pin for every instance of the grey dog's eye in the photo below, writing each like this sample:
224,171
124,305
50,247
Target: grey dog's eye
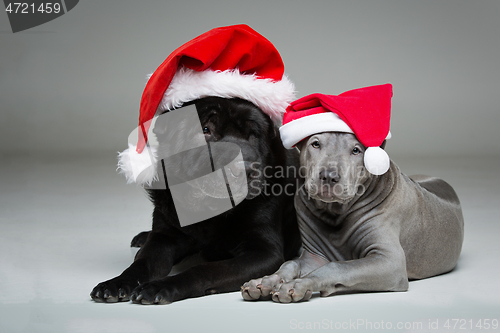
315,144
206,130
356,151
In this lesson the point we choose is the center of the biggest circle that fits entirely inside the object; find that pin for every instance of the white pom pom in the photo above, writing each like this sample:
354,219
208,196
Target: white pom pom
377,161
138,168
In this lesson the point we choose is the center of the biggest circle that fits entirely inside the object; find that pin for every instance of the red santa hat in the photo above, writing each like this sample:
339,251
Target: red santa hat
233,61
365,112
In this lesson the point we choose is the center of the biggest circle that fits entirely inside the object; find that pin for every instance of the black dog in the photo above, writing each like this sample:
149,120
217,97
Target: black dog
251,240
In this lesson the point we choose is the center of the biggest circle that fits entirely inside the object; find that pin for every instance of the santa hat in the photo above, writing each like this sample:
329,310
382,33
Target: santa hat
365,112
229,62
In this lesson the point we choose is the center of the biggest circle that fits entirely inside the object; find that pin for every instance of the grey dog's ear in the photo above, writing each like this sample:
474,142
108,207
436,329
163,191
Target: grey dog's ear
383,144
299,145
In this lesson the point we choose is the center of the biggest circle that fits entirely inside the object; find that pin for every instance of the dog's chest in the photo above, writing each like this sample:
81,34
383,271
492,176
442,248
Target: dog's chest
335,239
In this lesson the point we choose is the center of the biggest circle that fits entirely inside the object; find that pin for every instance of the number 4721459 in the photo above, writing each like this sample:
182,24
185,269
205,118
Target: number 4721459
464,324
27,8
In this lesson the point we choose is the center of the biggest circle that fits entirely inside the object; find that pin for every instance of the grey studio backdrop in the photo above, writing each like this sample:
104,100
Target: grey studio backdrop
74,84
69,97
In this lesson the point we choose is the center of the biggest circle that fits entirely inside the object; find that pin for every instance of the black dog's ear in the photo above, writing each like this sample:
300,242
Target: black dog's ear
273,132
383,144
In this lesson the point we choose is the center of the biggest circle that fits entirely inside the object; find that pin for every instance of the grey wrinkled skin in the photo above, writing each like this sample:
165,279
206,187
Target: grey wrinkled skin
362,232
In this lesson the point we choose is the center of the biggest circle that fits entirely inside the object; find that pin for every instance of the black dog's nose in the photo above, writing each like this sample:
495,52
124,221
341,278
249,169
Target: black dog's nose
328,176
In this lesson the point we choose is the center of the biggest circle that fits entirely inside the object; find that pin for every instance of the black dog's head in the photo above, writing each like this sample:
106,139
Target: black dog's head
228,126
242,123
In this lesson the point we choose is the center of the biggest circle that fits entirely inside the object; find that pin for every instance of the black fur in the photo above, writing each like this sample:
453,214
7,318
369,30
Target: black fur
251,240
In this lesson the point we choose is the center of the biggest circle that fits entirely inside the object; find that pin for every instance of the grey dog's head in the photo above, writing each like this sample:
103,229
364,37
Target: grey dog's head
333,167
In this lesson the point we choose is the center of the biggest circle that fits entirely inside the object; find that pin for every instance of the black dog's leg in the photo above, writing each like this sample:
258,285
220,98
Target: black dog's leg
140,239
154,260
258,259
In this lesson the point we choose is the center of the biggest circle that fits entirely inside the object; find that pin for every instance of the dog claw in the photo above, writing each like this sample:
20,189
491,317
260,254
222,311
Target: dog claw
122,295
160,300
106,293
146,302
108,297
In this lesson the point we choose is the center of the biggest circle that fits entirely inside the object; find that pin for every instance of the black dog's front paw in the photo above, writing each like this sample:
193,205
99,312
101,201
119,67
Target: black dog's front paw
155,292
114,290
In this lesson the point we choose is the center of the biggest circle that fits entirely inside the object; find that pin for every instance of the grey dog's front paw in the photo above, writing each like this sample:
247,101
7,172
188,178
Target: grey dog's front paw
260,289
294,291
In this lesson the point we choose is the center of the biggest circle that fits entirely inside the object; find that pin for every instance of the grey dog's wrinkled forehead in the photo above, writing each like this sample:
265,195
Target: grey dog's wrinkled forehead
331,139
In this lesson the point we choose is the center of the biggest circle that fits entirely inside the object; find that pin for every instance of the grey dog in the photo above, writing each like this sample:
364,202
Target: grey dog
362,232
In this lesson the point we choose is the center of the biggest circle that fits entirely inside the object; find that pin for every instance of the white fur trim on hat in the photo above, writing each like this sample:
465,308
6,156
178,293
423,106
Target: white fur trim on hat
270,96
301,128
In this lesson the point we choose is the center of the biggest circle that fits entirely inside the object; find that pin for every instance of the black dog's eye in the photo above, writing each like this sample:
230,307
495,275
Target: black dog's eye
206,130
356,151
315,144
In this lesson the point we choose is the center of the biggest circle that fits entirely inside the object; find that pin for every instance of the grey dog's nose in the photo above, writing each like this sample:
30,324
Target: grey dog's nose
328,176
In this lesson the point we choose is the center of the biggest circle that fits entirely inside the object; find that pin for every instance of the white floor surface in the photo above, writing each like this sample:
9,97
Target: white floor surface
66,224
